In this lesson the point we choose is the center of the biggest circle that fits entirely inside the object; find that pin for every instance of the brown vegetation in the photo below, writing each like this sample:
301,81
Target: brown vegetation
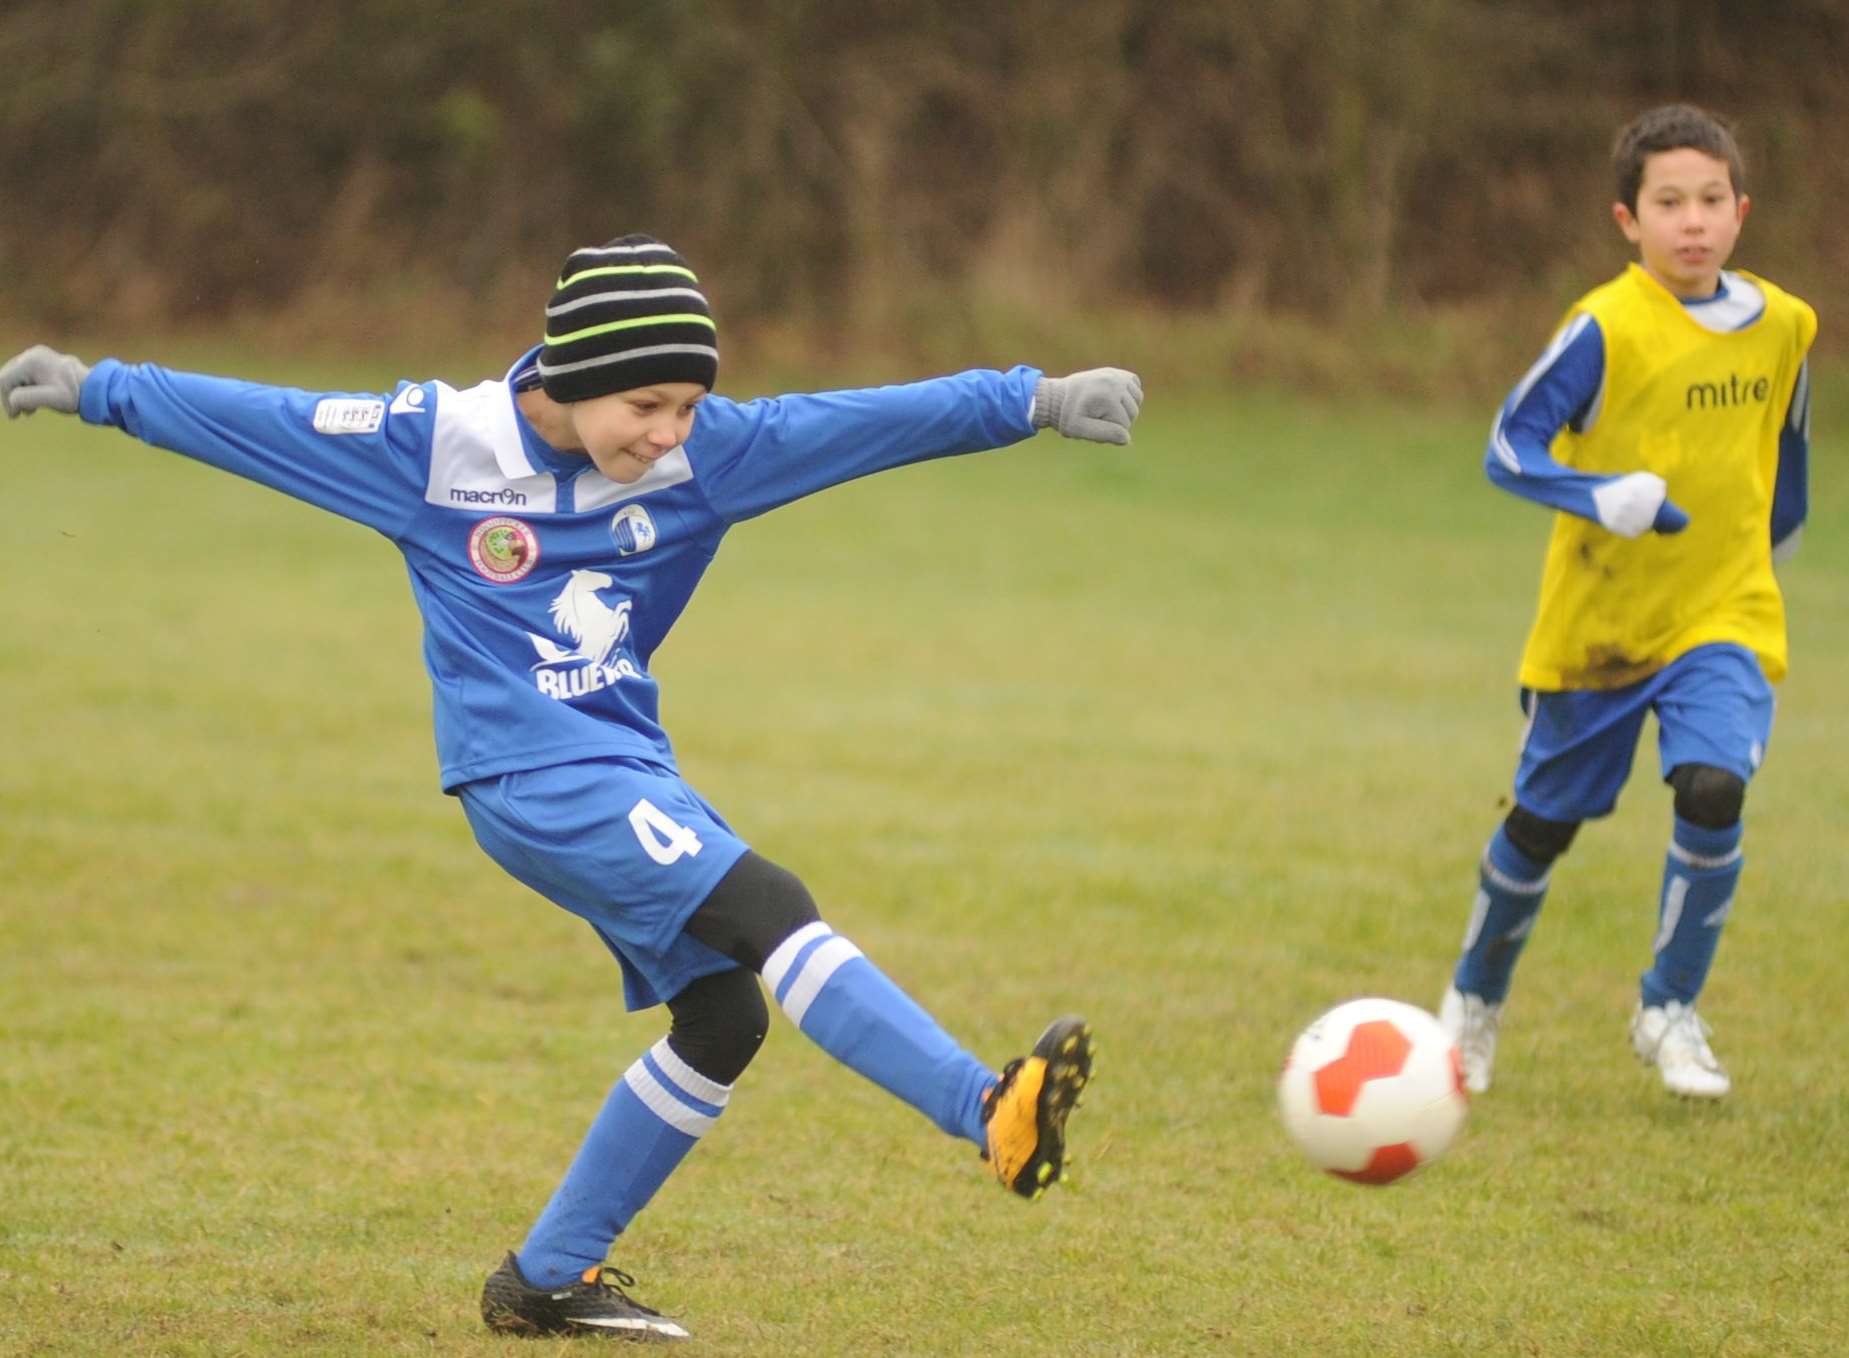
911,177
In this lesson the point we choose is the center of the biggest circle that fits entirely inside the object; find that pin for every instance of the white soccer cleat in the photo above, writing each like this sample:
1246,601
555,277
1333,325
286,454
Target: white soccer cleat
1472,1023
1673,1038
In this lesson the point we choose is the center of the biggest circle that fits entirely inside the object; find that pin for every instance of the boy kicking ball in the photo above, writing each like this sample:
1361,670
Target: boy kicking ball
555,522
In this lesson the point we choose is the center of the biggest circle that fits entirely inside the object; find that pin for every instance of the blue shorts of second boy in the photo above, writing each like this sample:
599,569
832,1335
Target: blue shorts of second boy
1713,706
624,844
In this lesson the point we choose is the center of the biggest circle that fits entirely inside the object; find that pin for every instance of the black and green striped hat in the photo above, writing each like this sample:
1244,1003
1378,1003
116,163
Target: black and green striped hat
625,315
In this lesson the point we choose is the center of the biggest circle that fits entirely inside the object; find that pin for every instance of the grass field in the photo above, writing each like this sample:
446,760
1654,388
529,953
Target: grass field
1198,740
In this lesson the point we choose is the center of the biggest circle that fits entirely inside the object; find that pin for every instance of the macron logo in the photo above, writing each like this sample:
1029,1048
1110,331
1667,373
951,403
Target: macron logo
506,495
410,401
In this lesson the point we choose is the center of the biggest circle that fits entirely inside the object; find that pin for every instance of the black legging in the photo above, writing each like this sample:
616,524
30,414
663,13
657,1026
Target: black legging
720,1020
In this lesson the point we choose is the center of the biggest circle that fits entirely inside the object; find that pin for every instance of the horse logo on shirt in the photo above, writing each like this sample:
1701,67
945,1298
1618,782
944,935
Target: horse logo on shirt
597,629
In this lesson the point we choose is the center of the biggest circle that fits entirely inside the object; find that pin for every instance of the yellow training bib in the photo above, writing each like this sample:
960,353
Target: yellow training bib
1702,409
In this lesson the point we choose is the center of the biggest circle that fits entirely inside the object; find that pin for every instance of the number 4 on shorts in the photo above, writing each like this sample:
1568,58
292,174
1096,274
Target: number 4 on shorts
664,840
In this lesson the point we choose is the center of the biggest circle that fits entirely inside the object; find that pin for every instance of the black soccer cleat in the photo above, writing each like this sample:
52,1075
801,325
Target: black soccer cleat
1025,1113
594,1304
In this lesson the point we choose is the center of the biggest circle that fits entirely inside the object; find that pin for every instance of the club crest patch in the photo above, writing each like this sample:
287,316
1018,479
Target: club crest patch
633,530
503,550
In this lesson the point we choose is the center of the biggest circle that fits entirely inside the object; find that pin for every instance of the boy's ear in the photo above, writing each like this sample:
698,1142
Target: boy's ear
1627,221
1745,203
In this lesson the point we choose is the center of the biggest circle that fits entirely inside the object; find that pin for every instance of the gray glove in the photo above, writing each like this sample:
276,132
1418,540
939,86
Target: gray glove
1098,404
42,379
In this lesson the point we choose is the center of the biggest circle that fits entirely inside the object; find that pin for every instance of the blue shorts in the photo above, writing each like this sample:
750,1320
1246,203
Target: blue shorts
623,843
1713,706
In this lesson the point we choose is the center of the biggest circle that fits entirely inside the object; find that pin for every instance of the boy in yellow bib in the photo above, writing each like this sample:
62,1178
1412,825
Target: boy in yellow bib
1679,378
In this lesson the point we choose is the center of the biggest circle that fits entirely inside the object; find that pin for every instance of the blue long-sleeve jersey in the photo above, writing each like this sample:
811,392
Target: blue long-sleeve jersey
545,587
1565,388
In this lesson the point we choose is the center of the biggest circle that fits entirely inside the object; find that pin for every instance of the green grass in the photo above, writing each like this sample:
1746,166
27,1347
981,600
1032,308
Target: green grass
1199,739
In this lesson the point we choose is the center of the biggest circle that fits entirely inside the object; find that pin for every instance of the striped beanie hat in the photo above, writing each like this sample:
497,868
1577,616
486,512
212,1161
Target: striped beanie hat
625,315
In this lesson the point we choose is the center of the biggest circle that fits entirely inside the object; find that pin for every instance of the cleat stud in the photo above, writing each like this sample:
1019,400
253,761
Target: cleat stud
1044,1174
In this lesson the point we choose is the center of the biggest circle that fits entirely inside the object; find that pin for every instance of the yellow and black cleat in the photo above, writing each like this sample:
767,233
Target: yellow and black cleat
1025,1113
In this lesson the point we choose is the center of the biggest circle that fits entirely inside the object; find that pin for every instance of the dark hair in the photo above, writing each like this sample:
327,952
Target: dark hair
1672,128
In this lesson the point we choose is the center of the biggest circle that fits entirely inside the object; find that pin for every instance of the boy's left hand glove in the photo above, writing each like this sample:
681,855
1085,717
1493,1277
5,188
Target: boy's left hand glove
1637,503
41,379
1099,404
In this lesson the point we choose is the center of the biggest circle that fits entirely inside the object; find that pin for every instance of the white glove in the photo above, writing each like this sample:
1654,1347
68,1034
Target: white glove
1099,404
1633,504
41,379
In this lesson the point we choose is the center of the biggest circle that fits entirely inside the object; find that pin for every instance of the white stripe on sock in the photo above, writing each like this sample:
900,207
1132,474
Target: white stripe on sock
1479,911
1502,879
690,1080
1672,913
1705,862
823,963
779,961
664,1105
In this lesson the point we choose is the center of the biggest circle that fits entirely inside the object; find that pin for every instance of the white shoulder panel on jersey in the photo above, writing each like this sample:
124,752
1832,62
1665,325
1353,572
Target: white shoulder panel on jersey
1799,418
594,490
1736,305
477,461
1505,451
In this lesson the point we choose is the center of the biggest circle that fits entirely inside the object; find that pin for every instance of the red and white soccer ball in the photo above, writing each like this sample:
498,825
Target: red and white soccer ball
1372,1090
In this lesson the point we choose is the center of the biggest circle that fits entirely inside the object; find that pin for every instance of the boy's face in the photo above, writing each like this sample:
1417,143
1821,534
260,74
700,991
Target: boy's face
626,432
1687,220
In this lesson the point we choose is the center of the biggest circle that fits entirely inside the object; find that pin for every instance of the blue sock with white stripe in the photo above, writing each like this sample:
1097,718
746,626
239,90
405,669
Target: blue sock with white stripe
847,1006
1510,889
1699,877
655,1114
